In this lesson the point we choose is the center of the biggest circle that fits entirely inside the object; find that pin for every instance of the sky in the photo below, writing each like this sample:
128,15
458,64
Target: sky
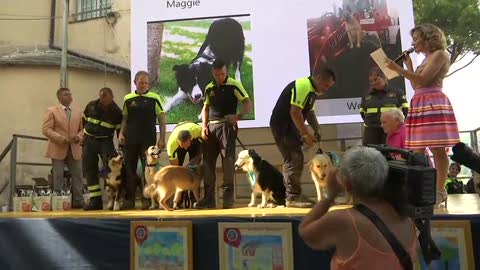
462,88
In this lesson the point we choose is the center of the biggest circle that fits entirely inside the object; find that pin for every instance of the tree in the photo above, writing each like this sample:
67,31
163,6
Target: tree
459,19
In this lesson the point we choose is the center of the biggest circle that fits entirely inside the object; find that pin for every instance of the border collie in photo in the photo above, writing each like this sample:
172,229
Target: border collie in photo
224,40
266,179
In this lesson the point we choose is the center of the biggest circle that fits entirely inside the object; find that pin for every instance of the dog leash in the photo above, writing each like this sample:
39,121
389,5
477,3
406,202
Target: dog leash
241,144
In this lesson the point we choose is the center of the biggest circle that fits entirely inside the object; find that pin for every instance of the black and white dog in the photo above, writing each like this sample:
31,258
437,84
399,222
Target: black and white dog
115,183
263,178
225,40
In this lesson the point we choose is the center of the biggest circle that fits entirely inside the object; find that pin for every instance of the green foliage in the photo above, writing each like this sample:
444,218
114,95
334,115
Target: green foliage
459,19
182,50
206,24
198,37
167,84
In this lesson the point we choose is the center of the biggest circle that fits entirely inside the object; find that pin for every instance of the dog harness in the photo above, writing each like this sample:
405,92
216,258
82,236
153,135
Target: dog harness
335,158
207,56
252,178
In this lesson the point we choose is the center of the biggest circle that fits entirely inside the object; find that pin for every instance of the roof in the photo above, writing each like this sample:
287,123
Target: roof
52,57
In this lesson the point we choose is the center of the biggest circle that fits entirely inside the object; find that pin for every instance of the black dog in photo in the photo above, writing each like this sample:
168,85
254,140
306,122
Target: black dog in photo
267,180
225,40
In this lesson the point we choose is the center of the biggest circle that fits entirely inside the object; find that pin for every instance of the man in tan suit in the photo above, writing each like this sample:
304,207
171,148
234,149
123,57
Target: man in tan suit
63,127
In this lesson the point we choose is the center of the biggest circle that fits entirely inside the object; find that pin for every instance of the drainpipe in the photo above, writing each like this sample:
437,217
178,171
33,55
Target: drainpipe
51,44
51,39
63,64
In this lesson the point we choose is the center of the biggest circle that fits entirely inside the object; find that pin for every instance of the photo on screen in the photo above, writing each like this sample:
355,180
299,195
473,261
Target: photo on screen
180,57
343,39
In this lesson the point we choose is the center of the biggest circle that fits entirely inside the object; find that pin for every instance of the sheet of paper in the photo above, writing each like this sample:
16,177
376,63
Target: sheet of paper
380,57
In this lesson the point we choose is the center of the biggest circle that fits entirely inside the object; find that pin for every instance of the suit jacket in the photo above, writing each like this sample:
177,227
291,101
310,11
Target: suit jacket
57,128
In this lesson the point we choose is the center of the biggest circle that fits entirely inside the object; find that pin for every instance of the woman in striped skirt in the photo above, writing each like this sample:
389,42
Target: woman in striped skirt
430,121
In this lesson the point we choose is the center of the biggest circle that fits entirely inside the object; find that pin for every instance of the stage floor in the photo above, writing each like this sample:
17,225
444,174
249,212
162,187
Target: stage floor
459,204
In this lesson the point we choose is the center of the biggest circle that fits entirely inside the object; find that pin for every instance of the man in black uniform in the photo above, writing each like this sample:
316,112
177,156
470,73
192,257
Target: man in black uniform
381,98
219,131
294,106
101,118
141,110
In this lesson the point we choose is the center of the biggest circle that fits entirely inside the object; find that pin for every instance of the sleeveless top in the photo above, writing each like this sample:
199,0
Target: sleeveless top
368,257
437,80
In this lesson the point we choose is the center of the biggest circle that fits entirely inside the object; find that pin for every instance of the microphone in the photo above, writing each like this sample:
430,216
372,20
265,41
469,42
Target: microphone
400,58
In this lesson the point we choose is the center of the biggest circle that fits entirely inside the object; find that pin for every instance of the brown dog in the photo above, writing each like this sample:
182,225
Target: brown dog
171,180
152,155
354,29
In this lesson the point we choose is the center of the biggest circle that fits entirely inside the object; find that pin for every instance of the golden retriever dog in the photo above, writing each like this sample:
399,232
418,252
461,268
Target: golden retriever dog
115,186
354,29
171,180
320,167
152,155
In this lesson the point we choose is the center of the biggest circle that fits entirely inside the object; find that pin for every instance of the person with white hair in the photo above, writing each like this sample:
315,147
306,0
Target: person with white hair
393,125
358,244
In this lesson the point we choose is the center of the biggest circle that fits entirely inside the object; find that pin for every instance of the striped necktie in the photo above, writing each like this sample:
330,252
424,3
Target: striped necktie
68,111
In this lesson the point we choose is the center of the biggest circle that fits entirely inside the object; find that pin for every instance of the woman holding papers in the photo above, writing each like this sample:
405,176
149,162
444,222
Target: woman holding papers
431,121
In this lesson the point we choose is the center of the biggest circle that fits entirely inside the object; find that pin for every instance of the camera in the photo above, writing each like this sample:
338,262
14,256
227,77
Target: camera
411,182
465,155
411,189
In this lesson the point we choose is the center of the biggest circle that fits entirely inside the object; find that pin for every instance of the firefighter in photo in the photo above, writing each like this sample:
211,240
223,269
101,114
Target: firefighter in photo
101,118
379,99
186,138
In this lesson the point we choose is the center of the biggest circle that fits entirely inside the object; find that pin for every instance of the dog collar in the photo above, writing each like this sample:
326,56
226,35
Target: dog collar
252,178
152,165
334,158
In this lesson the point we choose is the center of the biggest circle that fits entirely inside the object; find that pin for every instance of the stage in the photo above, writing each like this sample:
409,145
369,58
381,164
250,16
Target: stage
100,239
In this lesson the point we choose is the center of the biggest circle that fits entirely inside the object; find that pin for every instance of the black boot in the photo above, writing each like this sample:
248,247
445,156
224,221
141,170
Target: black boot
94,204
227,199
187,200
130,196
192,200
299,201
146,203
128,205
206,202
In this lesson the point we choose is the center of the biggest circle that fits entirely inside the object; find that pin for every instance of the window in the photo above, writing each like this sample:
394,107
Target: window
90,9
